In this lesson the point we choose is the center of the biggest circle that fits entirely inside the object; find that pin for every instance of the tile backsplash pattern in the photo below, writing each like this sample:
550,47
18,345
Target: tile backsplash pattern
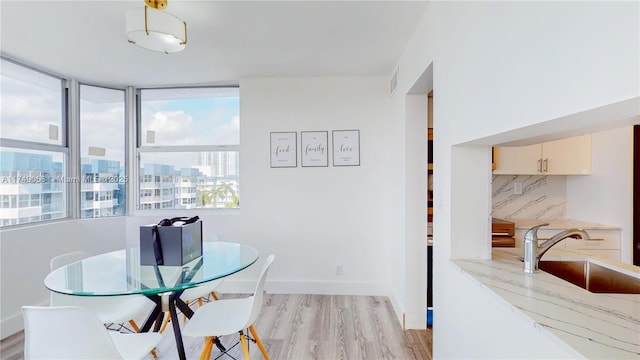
543,197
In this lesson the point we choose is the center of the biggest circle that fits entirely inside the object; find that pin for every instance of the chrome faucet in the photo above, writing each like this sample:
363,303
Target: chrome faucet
533,252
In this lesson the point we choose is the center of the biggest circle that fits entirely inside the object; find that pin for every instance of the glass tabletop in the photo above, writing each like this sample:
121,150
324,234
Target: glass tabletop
120,273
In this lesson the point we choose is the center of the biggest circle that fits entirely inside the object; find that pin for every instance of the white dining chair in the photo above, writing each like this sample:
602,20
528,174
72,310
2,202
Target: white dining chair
200,294
230,316
204,291
73,332
116,310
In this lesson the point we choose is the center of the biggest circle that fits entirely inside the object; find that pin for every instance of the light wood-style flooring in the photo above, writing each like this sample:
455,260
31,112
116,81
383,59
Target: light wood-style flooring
306,327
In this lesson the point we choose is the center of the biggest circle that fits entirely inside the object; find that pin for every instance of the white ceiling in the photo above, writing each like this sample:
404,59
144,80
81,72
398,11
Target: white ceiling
227,40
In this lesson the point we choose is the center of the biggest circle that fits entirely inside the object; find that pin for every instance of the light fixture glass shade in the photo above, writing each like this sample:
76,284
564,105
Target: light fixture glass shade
156,30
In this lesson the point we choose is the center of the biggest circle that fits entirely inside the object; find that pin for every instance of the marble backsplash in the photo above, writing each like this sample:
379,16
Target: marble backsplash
543,197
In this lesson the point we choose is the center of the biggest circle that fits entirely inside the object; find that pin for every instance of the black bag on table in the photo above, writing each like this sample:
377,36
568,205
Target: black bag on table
172,242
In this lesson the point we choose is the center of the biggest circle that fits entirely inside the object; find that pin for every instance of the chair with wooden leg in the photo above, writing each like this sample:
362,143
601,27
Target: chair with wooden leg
191,295
200,293
111,310
230,316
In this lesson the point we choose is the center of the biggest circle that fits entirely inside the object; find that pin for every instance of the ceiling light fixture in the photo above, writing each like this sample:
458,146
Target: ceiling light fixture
154,29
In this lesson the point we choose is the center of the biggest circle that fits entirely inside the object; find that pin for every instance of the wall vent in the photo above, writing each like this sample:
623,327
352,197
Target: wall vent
394,82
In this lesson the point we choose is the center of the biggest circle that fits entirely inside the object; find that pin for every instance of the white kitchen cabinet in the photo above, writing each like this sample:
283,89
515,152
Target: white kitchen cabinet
603,243
571,156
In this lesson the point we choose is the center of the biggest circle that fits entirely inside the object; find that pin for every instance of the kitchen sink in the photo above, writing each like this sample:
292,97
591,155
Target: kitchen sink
591,276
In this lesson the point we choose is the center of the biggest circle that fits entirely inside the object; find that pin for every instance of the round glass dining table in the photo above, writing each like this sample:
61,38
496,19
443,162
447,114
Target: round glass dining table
119,273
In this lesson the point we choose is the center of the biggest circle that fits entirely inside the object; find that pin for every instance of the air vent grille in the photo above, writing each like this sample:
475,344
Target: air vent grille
394,82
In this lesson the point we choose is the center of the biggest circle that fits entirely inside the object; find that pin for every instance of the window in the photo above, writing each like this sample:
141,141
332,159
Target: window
189,143
35,200
31,105
33,146
102,149
23,200
45,193
7,201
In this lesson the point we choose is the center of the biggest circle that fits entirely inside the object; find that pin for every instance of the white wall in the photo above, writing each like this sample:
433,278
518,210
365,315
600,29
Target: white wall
25,253
412,260
606,195
313,219
505,71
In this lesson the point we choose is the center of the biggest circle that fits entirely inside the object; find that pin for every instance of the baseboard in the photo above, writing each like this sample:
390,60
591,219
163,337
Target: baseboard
309,287
11,325
415,321
397,308
15,323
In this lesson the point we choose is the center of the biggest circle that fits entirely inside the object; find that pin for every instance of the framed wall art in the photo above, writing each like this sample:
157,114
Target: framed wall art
314,148
346,147
284,151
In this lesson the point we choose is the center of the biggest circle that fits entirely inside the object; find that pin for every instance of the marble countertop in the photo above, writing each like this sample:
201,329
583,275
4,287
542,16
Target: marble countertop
560,224
599,326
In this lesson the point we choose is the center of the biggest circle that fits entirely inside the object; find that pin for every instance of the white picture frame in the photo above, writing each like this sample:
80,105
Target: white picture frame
314,148
284,151
346,147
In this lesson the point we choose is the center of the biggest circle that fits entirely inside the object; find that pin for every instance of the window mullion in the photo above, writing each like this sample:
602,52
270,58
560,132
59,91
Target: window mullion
29,145
73,136
131,153
189,148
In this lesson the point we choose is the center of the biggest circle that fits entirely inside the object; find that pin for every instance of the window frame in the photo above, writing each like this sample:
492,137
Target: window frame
63,148
69,150
125,165
145,209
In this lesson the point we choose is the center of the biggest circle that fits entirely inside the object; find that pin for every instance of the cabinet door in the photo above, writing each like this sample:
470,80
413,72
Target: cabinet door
603,243
599,240
570,156
517,160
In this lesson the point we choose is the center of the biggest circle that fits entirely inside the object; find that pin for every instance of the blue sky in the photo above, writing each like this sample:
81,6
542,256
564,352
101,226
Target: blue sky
192,121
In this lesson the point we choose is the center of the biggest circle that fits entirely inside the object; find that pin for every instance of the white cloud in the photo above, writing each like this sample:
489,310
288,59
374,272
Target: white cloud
29,117
226,134
103,125
171,128
180,128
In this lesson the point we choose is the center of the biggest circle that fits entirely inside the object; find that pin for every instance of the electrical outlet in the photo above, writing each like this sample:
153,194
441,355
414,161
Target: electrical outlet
517,188
339,270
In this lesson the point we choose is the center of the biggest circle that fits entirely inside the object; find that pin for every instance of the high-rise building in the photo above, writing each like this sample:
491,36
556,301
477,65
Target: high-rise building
157,186
32,188
102,189
223,163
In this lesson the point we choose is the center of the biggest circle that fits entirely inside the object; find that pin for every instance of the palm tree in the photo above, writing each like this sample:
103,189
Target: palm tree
224,192
203,197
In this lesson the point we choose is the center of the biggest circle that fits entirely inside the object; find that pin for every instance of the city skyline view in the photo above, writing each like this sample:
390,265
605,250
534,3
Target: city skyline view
187,148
